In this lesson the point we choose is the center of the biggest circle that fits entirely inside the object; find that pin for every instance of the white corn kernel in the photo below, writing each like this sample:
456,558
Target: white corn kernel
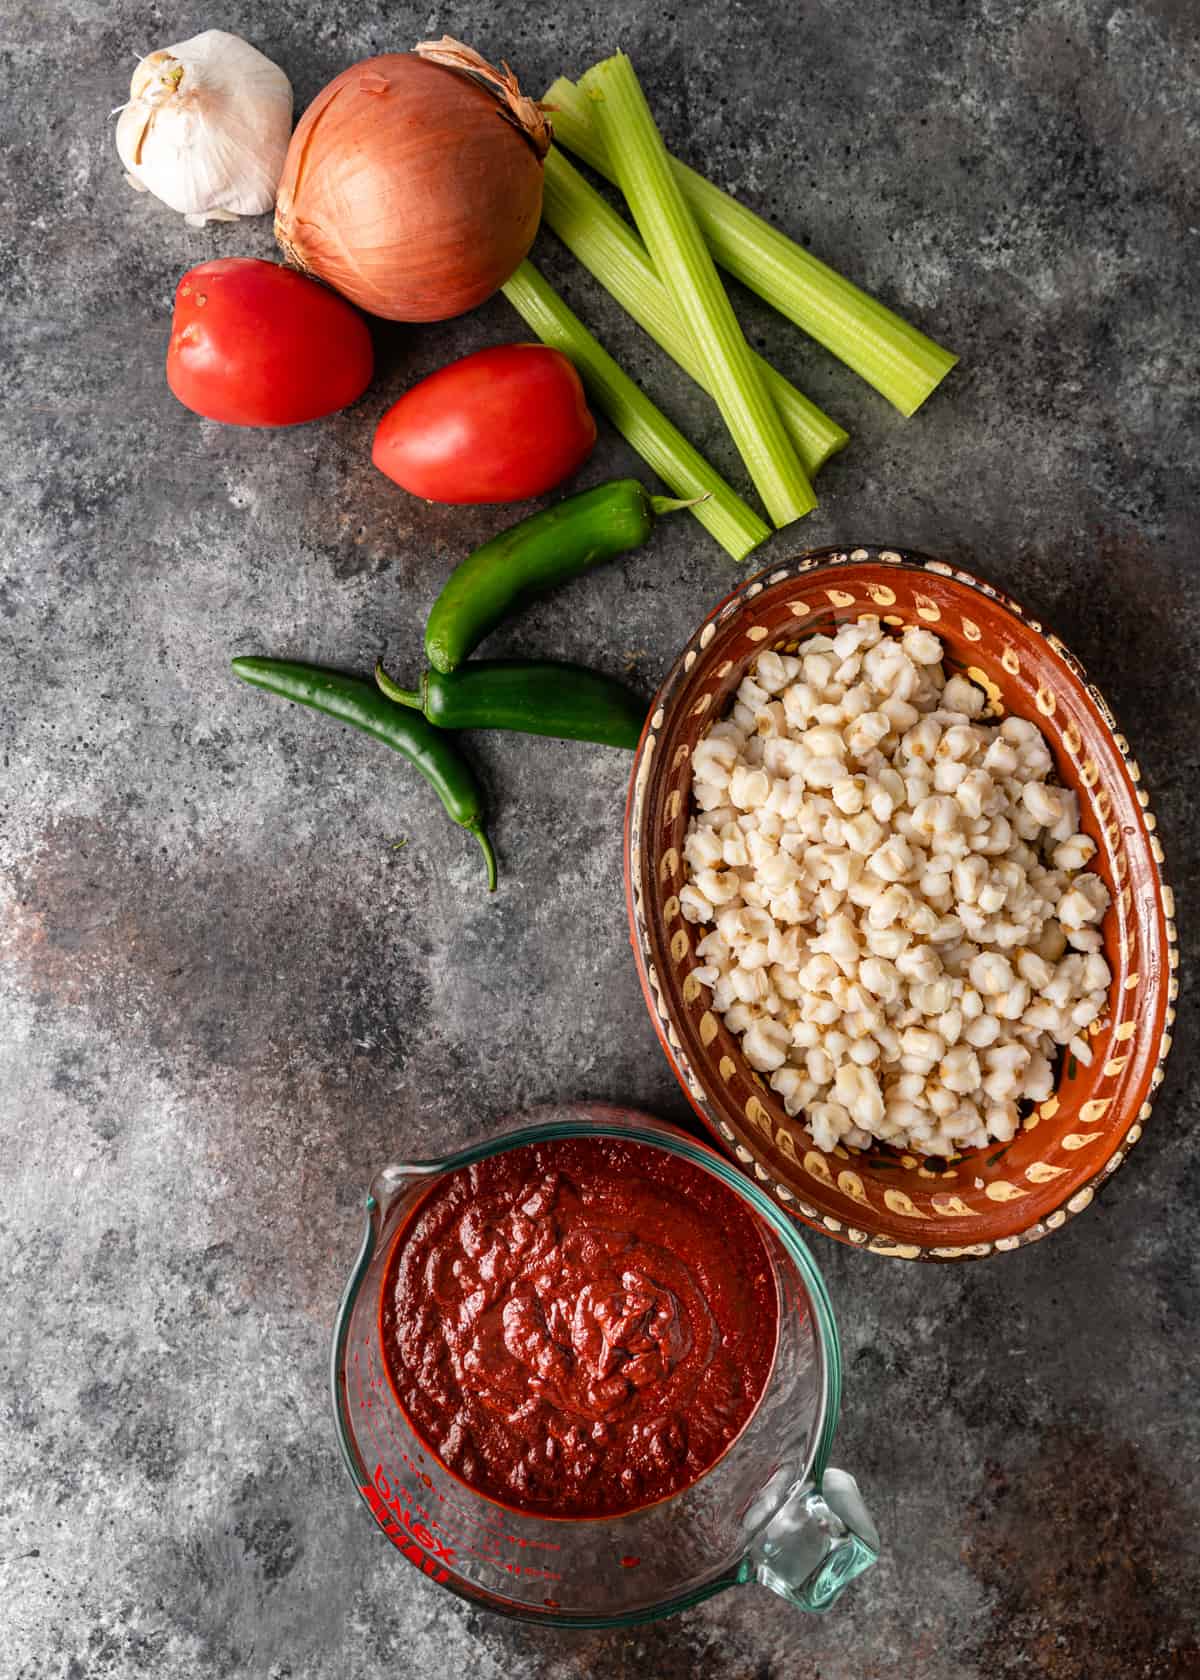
1074,853
847,795
765,1045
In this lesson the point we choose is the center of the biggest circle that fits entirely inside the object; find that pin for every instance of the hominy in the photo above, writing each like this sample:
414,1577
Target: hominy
900,922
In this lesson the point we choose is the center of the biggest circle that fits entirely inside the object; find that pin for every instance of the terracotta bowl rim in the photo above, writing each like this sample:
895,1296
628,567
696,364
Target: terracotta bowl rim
1124,1133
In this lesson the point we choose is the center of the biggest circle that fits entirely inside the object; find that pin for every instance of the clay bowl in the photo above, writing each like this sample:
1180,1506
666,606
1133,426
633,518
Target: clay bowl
992,1199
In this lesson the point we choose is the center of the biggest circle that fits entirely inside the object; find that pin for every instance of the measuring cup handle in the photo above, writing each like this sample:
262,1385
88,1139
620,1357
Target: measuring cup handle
818,1541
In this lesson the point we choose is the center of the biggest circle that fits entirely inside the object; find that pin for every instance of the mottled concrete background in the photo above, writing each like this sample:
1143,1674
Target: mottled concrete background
227,998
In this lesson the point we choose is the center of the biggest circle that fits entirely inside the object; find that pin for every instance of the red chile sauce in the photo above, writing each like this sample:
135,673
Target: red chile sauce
580,1327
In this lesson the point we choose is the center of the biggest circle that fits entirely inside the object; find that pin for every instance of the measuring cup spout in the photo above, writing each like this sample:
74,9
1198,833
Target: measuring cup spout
818,1541
394,1179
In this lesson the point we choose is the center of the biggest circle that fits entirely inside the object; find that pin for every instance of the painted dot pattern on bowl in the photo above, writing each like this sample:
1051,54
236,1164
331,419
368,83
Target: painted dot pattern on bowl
995,1199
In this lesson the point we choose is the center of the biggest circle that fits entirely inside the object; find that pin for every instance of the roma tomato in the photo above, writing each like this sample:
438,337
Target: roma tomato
256,344
501,425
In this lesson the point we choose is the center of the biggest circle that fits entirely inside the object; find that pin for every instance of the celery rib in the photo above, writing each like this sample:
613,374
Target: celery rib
685,267
610,250
722,512
902,363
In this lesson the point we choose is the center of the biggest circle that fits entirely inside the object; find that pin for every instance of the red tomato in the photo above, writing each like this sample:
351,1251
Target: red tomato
256,344
501,425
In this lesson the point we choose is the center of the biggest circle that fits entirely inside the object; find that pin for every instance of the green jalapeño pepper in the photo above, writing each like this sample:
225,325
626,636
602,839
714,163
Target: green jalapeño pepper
537,697
358,703
541,552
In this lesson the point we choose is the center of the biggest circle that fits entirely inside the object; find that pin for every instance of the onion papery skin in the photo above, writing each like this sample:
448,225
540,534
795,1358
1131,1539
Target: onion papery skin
408,189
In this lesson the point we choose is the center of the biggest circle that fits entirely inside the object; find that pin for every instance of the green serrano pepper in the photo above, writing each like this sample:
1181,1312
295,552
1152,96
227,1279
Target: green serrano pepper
360,704
537,697
537,555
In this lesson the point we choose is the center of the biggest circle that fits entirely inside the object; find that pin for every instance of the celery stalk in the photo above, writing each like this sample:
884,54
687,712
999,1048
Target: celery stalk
722,511
901,363
677,249
610,250
571,119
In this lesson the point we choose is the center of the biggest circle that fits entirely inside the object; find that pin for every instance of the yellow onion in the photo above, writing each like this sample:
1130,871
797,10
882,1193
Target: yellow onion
412,187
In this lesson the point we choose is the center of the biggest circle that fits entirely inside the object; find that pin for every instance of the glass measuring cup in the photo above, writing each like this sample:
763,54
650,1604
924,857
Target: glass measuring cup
770,1510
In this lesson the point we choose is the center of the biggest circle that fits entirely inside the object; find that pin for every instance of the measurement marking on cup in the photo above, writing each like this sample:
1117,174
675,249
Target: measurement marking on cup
424,1549
408,1524
495,1534
371,1430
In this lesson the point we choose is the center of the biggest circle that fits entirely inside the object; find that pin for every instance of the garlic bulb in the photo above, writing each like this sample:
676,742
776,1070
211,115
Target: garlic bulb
207,127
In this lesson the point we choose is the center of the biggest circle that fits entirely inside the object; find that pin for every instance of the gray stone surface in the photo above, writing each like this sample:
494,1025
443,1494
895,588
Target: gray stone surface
227,998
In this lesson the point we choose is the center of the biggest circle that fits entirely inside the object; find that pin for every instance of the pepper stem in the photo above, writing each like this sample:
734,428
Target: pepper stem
667,504
485,846
413,697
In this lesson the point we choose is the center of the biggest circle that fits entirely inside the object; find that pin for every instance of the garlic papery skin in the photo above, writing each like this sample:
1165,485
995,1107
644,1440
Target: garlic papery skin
207,127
